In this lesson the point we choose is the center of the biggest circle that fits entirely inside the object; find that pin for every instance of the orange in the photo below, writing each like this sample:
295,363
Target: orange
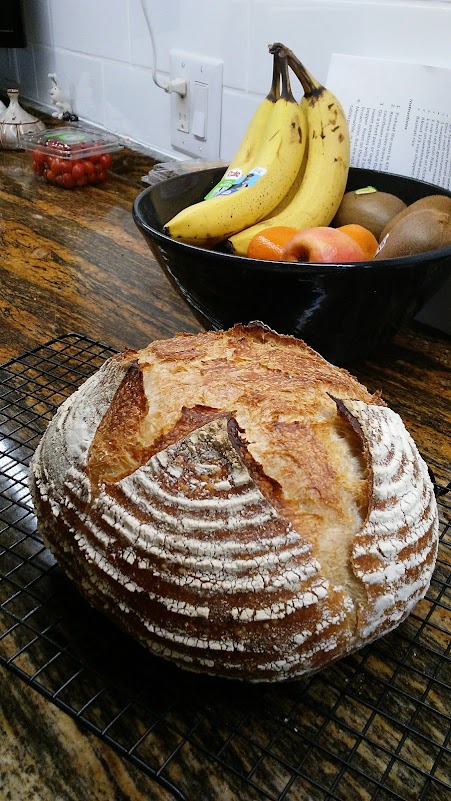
268,244
363,237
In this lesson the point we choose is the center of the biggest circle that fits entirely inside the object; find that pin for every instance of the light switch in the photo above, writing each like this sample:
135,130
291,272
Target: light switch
199,125
200,110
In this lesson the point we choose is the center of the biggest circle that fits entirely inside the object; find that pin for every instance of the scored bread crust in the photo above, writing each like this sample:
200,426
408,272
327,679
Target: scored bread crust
236,503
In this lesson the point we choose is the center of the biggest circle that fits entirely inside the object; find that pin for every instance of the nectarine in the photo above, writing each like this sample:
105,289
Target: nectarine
322,245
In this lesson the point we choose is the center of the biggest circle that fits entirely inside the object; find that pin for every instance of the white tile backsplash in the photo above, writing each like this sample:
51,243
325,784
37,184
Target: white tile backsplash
45,62
82,77
97,28
135,107
26,72
314,30
237,110
166,24
102,54
194,26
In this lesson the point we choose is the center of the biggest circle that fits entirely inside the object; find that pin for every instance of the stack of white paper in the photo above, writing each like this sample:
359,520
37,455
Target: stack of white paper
399,117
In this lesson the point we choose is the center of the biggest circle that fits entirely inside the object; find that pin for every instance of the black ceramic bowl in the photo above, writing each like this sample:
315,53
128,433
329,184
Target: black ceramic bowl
344,311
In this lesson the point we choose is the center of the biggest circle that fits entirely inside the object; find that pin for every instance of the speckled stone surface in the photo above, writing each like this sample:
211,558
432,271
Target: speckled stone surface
46,757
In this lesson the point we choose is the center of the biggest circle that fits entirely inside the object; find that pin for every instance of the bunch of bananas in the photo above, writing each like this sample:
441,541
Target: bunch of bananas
290,169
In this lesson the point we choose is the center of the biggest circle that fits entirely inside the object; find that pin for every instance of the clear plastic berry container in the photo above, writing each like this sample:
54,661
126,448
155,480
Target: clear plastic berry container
71,157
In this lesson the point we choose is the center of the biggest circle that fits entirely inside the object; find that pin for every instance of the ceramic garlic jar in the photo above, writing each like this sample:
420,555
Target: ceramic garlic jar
15,122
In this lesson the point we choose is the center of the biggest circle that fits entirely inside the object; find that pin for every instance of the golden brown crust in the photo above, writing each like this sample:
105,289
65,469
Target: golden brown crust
115,451
230,499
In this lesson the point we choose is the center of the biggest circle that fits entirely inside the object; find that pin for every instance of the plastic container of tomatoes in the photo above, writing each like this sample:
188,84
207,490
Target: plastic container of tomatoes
71,157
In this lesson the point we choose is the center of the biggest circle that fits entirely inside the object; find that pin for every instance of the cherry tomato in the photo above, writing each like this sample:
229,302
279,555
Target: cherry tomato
50,176
57,165
68,180
39,157
106,160
102,176
82,181
78,170
89,167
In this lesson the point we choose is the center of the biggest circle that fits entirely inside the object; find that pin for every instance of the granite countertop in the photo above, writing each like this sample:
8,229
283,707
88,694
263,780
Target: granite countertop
74,261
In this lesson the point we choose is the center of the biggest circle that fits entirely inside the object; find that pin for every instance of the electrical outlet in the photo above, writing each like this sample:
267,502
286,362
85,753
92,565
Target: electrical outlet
182,113
196,117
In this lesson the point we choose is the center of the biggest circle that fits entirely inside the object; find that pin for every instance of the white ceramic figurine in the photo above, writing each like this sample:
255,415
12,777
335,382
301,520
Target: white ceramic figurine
63,105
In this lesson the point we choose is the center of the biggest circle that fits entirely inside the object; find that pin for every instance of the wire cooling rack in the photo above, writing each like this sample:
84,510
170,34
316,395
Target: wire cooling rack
374,726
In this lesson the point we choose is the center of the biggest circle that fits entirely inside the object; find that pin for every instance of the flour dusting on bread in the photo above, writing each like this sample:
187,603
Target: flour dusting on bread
236,503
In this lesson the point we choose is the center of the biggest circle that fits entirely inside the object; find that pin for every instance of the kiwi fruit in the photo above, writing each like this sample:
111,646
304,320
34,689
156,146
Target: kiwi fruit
368,207
440,202
418,232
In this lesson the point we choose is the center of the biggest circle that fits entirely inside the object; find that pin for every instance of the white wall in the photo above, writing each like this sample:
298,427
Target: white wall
101,51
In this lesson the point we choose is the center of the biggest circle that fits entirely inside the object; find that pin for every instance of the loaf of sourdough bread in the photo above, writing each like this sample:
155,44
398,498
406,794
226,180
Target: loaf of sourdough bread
237,503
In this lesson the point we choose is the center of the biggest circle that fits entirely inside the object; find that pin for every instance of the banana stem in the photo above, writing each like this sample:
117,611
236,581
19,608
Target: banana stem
309,84
286,93
274,92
